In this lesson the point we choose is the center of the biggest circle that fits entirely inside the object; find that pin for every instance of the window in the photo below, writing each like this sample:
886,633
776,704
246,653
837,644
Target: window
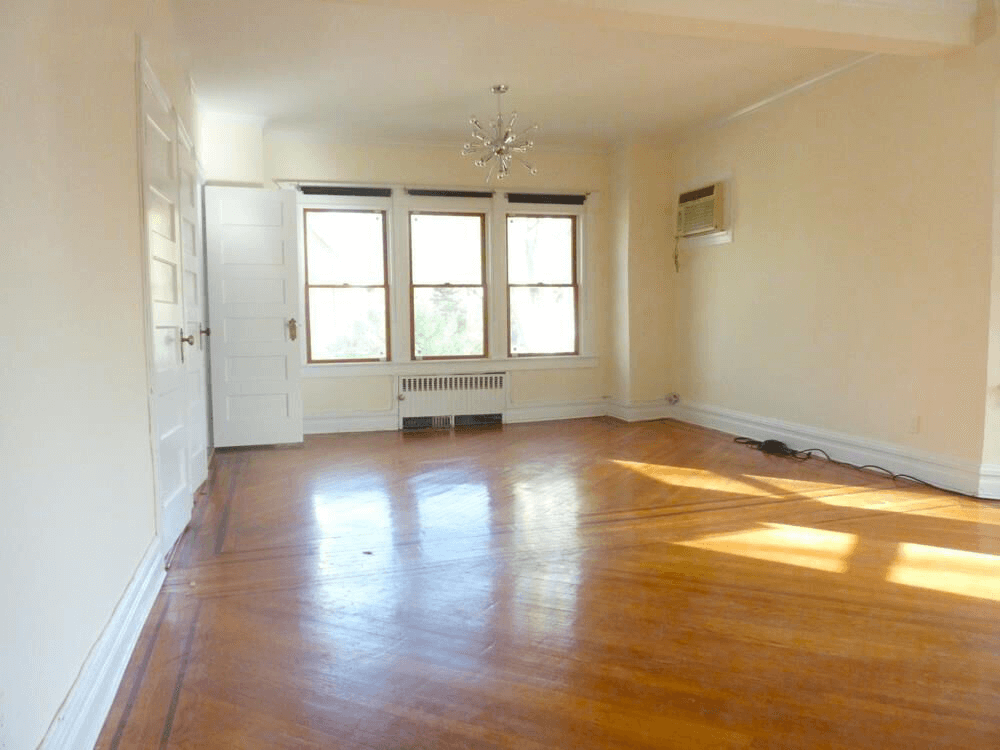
347,290
399,276
542,285
448,286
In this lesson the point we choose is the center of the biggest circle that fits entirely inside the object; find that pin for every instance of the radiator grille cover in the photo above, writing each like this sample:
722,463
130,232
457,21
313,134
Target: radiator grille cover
490,381
452,395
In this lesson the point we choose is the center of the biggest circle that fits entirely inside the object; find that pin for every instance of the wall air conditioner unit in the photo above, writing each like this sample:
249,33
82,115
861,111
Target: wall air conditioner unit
700,212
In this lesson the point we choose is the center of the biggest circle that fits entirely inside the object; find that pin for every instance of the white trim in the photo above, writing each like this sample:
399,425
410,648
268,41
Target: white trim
639,411
79,720
519,413
950,473
723,237
365,421
989,481
943,471
145,78
446,367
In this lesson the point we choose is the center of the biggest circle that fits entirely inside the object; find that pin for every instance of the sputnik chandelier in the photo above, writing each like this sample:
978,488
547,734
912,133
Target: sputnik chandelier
498,146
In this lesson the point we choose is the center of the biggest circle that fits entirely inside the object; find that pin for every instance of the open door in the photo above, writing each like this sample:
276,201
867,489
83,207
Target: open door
253,283
169,343
195,315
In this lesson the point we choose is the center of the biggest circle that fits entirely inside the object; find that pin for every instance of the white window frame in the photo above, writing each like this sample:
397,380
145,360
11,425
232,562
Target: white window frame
496,208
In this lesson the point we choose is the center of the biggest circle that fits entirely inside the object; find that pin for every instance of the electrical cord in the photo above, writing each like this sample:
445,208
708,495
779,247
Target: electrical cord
778,448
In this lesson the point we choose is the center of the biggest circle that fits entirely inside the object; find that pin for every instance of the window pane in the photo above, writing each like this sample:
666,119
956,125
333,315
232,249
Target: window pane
540,249
542,320
347,324
345,247
446,249
448,322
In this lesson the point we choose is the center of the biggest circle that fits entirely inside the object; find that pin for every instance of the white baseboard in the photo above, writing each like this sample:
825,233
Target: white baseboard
950,473
943,471
351,422
548,412
989,481
639,411
81,716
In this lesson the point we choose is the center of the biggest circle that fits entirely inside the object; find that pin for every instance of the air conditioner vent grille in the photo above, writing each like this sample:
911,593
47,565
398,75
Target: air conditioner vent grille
700,211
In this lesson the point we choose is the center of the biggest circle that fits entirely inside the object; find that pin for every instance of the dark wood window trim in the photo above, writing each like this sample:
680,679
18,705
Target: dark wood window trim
384,286
482,275
574,285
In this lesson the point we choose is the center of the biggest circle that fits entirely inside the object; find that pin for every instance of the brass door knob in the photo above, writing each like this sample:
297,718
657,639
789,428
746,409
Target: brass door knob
293,329
188,339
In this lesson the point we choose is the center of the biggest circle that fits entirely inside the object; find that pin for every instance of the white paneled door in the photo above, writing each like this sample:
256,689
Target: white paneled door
170,344
253,283
195,312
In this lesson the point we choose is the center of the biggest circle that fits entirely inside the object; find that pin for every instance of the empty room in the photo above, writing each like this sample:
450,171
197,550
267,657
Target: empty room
557,374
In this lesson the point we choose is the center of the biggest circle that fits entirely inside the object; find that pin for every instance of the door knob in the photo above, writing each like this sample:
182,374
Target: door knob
185,340
293,329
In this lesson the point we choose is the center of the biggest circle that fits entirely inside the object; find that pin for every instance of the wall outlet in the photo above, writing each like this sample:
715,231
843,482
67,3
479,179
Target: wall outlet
915,424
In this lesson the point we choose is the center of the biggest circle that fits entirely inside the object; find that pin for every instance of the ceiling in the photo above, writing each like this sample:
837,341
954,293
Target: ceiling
590,72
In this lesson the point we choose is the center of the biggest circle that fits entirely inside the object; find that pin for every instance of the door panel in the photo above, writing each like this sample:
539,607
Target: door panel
166,305
195,314
253,279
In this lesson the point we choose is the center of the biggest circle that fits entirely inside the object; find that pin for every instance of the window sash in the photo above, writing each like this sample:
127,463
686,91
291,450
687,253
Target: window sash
384,285
574,284
483,286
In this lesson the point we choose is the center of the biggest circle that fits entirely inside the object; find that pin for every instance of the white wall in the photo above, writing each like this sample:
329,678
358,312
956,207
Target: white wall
76,485
991,436
232,149
856,294
643,273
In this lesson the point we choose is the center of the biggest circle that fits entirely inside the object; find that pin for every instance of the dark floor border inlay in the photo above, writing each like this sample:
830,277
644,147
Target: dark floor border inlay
140,676
168,724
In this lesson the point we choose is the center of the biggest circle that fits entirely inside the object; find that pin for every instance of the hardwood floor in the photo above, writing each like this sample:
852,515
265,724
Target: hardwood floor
582,584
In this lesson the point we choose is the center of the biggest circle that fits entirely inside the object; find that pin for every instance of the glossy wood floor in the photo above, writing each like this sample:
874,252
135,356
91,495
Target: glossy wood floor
583,584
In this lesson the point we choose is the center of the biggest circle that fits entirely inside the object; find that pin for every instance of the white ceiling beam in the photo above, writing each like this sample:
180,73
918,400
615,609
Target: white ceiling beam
902,27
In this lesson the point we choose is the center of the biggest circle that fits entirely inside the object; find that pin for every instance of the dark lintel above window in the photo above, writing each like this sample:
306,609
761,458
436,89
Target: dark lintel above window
550,199
450,193
354,192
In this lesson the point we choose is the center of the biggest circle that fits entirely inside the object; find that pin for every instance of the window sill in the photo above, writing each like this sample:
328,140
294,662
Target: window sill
447,366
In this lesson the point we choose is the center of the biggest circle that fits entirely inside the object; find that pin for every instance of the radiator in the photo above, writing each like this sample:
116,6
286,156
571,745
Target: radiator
452,395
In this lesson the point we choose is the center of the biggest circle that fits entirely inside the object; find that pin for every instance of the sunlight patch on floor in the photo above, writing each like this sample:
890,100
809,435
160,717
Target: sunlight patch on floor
817,549
952,571
711,481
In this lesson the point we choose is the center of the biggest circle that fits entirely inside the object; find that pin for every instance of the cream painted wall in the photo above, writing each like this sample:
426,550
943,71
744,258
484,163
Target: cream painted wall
991,431
294,156
643,279
233,149
556,386
855,296
343,395
620,367
76,485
